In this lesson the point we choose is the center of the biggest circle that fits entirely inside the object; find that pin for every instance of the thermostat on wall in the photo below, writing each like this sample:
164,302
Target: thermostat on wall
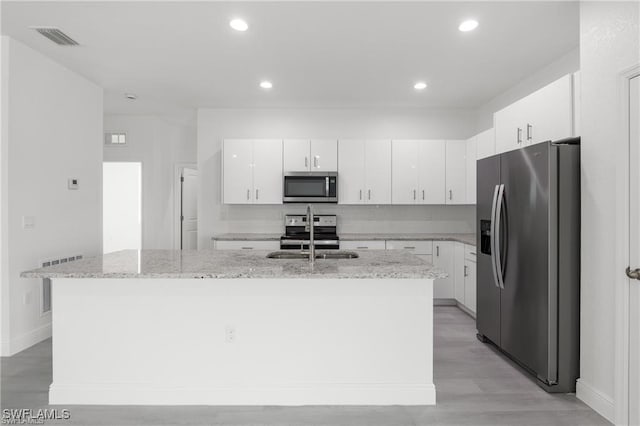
73,183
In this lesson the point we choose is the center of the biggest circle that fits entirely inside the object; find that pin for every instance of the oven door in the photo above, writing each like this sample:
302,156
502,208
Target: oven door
310,187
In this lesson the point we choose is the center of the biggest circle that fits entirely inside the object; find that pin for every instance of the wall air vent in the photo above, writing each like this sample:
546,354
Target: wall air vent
56,36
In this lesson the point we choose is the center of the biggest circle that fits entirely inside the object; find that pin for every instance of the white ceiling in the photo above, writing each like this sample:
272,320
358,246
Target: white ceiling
177,55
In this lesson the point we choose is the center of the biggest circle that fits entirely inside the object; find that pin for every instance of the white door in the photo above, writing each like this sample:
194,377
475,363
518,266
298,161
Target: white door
324,155
404,171
431,172
471,170
351,166
267,171
238,171
634,252
377,171
456,172
443,258
121,206
189,209
296,155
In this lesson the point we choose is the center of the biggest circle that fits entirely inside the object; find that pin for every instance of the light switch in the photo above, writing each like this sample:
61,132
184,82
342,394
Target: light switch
28,222
73,183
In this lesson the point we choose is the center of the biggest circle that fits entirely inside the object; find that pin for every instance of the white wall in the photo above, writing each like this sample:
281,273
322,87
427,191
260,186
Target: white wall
52,131
121,206
214,125
159,143
609,43
564,65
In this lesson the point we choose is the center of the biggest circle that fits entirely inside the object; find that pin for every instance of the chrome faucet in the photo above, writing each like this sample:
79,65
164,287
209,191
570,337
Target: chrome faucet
310,227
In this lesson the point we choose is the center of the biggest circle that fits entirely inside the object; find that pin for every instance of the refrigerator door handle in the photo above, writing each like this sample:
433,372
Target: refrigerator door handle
493,235
496,236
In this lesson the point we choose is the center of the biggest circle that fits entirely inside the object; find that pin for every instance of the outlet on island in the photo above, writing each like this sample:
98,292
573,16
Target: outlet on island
230,334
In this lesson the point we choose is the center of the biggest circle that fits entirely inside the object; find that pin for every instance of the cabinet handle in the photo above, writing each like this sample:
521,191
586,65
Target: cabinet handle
423,195
472,253
465,270
247,248
529,132
414,194
315,162
361,195
256,194
437,251
306,162
362,247
519,135
450,194
248,194
369,195
409,247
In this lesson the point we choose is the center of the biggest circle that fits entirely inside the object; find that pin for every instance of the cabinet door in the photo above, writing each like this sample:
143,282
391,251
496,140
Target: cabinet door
324,155
456,172
508,125
549,113
247,245
377,174
470,171
459,276
351,169
443,258
486,144
363,245
237,179
267,171
432,172
404,171
296,155
470,286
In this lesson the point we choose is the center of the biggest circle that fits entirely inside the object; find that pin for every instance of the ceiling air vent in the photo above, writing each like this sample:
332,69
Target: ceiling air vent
56,36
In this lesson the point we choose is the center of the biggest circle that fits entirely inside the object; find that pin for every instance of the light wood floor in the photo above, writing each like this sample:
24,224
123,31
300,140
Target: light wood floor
475,386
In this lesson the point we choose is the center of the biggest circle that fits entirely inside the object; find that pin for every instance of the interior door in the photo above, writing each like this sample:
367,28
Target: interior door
488,292
377,171
634,252
189,209
525,242
351,171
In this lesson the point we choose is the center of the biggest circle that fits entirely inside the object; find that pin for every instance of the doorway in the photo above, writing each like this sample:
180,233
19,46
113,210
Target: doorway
121,206
186,208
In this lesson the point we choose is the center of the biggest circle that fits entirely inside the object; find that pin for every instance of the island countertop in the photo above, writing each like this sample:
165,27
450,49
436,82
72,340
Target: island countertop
224,264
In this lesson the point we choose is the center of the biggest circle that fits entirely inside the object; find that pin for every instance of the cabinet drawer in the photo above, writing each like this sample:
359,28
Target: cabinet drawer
247,245
362,245
470,253
416,247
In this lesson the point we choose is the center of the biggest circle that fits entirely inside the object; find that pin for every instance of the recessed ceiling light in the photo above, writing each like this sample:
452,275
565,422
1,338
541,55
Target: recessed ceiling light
421,85
131,96
239,25
266,84
468,25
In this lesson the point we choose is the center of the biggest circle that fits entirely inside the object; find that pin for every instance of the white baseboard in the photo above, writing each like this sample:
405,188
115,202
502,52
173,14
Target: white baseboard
18,344
595,399
313,394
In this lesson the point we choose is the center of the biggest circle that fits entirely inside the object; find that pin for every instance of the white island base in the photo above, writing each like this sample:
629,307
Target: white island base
155,341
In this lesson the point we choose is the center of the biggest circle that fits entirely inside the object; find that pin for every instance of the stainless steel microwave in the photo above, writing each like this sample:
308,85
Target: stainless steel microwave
310,187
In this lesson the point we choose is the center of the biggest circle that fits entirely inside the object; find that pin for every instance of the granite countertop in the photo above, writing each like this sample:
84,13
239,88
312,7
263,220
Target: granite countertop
238,264
463,238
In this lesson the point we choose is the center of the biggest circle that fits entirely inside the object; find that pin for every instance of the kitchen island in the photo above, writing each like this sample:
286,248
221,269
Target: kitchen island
214,327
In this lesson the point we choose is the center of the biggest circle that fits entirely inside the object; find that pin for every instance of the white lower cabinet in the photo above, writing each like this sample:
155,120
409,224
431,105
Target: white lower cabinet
362,245
246,245
470,285
465,276
444,258
459,275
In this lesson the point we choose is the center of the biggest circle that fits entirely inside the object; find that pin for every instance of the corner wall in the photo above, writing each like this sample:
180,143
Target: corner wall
52,131
609,44
214,125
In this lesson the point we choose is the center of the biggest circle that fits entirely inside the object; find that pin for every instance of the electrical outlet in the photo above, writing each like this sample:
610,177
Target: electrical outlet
230,334
28,222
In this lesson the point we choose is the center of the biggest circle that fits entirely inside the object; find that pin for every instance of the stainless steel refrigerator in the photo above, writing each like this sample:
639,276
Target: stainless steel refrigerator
528,279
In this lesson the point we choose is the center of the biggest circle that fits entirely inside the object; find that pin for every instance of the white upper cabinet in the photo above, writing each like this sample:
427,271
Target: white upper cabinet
404,171
364,168
546,114
308,155
456,172
252,171
471,165
431,172
485,144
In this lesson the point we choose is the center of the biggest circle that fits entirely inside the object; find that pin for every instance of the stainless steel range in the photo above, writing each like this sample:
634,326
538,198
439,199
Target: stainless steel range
296,234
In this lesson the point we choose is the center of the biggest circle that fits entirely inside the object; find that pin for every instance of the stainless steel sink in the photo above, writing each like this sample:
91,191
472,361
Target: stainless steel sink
319,255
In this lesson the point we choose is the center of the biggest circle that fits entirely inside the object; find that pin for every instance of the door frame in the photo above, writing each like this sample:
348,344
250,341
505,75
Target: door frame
621,282
177,201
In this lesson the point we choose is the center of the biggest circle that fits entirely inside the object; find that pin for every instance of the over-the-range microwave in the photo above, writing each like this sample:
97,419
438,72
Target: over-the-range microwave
310,187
